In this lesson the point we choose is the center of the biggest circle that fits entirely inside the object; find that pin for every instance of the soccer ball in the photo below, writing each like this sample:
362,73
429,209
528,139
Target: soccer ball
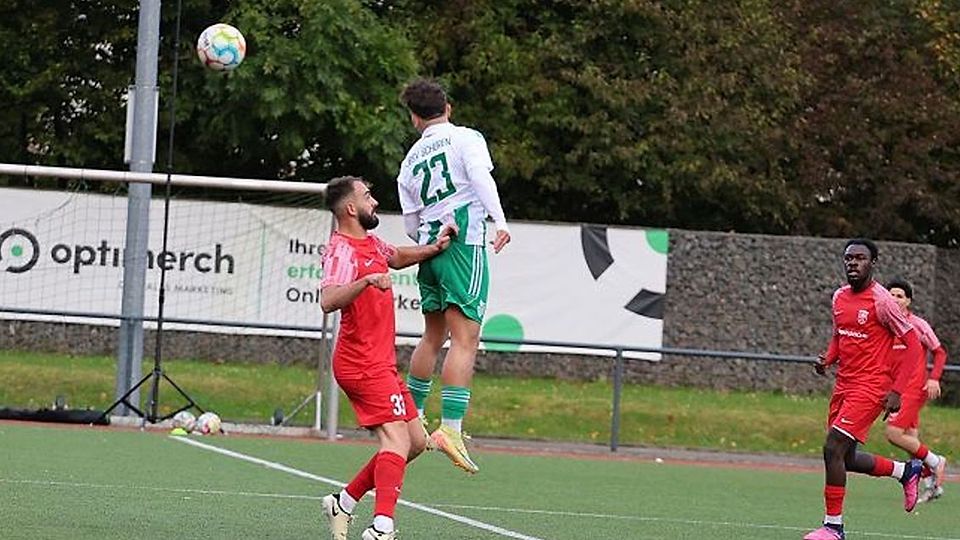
184,420
221,47
208,424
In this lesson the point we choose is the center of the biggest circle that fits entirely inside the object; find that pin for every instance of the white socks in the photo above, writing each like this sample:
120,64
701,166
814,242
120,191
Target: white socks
383,523
898,467
347,502
833,520
455,425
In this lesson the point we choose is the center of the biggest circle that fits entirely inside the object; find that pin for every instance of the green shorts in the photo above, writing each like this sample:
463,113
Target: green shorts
459,276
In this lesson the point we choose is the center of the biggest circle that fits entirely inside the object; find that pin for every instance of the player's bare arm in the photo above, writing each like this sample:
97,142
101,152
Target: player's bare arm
334,297
409,255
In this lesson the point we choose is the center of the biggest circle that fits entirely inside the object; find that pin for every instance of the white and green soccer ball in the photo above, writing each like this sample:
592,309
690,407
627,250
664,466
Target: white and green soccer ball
221,47
185,420
208,424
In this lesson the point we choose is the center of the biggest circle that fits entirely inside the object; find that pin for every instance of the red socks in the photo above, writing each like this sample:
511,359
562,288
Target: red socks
385,472
833,499
363,481
881,466
388,478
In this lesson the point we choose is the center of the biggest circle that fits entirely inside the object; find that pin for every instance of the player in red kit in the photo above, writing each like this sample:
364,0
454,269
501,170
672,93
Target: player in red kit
356,281
903,427
866,320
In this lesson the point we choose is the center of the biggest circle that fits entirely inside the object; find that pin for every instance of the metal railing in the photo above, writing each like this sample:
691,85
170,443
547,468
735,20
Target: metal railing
618,358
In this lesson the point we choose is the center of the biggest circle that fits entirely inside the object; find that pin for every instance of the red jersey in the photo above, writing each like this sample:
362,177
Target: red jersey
931,344
865,324
366,342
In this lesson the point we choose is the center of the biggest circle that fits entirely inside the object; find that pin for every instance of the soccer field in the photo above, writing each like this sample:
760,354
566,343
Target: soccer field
78,482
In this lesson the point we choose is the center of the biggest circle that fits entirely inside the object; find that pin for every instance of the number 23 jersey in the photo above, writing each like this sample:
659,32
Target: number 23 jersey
434,180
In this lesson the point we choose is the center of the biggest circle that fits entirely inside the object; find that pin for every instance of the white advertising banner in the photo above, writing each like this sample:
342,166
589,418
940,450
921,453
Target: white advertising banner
255,264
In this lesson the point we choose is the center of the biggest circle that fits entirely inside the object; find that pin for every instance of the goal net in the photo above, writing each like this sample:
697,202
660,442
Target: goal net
242,273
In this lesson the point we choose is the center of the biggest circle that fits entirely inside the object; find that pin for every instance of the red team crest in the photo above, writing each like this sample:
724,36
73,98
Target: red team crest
862,316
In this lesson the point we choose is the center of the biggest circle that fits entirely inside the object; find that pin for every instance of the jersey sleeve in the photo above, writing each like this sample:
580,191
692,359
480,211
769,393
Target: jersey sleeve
474,151
939,362
832,355
928,337
889,314
339,265
386,249
410,202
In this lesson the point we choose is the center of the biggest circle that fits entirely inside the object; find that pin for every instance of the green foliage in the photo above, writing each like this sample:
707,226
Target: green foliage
625,111
799,117
316,96
876,141
64,67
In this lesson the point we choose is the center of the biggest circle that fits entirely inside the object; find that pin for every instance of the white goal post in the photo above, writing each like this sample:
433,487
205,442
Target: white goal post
307,190
182,180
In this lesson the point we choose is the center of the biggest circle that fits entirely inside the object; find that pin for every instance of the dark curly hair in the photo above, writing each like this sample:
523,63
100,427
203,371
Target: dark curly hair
424,98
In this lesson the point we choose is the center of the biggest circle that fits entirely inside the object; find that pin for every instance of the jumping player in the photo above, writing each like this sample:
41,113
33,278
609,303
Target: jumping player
445,178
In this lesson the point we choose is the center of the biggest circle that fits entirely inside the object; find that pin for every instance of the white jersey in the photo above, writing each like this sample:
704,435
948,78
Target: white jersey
439,181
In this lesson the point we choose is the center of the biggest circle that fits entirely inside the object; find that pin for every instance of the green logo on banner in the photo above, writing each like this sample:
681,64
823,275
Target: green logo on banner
502,326
659,240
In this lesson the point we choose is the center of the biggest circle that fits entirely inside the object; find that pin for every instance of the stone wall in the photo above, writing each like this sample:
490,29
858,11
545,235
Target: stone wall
725,292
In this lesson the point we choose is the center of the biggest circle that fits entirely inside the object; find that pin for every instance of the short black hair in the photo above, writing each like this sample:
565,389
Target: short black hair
339,189
425,98
874,252
900,283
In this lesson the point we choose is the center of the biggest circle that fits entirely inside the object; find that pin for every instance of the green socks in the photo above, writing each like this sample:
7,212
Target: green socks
419,389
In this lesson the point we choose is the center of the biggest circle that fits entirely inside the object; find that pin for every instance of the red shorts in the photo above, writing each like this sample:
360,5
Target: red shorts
853,412
379,399
908,417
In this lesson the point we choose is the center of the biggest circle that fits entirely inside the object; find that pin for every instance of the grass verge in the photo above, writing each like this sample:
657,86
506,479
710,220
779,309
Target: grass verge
526,408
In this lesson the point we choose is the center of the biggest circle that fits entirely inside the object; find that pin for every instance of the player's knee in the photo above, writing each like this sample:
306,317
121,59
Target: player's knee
834,448
417,446
894,434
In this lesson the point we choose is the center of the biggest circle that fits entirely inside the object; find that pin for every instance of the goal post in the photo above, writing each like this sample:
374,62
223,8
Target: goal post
178,180
242,260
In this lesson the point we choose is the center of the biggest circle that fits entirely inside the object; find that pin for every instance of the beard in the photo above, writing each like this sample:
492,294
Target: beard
368,221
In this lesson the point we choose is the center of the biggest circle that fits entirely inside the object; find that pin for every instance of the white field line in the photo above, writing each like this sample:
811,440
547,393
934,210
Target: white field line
682,521
189,491
303,474
181,491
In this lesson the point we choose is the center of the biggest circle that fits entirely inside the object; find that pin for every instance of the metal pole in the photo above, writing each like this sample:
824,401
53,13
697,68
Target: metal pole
333,390
617,387
322,362
130,350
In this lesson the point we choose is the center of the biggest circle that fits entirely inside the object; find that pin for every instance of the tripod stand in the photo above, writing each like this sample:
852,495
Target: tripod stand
157,375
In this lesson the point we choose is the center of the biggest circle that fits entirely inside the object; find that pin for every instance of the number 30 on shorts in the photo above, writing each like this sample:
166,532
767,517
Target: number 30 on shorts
399,407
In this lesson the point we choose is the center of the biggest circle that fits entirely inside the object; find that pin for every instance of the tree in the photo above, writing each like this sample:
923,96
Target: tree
315,97
614,111
64,68
876,141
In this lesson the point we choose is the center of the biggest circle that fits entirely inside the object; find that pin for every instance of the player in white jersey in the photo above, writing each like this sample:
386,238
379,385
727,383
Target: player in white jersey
445,178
